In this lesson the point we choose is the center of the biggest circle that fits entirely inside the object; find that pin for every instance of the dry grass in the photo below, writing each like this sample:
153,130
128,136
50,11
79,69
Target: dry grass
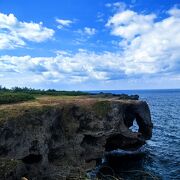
17,109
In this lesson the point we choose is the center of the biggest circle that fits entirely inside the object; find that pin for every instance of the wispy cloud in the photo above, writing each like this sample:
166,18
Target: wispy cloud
87,31
116,6
15,33
63,23
100,17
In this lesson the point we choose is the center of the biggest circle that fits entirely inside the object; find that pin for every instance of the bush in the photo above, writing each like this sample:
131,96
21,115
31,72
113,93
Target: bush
52,92
8,97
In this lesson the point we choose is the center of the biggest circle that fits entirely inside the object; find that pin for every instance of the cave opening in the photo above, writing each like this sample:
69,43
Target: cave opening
134,127
89,140
138,132
118,141
137,124
32,158
131,120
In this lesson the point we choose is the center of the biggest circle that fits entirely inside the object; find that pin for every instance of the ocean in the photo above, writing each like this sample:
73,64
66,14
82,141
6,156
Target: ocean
162,152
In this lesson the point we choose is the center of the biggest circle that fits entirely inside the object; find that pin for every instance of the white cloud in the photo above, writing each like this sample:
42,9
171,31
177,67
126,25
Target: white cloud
10,41
87,31
116,6
150,46
174,12
149,54
100,17
108,4
81,66
15,33
63,23
62,52
128,24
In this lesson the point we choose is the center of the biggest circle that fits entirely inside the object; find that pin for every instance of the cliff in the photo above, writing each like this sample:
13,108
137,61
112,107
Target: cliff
63,137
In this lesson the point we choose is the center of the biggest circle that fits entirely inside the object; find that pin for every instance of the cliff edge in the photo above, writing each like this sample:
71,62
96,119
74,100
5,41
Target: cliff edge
63,137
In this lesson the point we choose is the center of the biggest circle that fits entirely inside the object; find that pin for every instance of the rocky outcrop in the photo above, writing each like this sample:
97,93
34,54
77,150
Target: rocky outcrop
67,138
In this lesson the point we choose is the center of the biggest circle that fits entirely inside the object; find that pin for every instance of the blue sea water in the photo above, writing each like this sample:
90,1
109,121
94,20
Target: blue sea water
163,150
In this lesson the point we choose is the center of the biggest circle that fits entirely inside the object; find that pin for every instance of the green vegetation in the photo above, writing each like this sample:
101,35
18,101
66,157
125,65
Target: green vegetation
52,92
18,94
17,112
102,107
9,97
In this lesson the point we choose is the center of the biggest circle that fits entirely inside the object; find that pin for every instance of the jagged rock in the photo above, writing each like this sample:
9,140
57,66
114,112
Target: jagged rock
11,169
63,139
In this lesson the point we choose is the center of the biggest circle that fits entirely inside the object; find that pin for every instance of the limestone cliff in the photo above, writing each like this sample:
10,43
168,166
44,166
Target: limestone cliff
56,138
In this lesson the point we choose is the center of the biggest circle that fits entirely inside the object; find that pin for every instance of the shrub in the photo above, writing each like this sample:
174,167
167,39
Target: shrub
9,97
52,92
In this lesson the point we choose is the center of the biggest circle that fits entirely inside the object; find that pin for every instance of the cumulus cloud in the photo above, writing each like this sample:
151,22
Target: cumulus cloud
150,46
149,50
63,23
15,33
78,67
128,24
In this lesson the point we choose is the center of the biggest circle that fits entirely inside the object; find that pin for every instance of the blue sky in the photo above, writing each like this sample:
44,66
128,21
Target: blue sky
90,44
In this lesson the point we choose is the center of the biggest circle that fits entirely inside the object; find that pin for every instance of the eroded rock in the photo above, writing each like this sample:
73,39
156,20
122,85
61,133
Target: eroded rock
65,139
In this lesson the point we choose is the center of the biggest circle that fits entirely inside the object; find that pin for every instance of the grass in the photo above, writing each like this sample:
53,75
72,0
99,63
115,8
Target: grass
9,97
40,105
10,110
50,92
16,94
16,104
102,107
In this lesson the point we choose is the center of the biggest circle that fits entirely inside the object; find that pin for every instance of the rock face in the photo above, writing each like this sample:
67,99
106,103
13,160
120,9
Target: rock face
65,139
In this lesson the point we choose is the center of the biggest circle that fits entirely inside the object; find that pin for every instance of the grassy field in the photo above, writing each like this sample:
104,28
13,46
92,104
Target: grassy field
16,94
